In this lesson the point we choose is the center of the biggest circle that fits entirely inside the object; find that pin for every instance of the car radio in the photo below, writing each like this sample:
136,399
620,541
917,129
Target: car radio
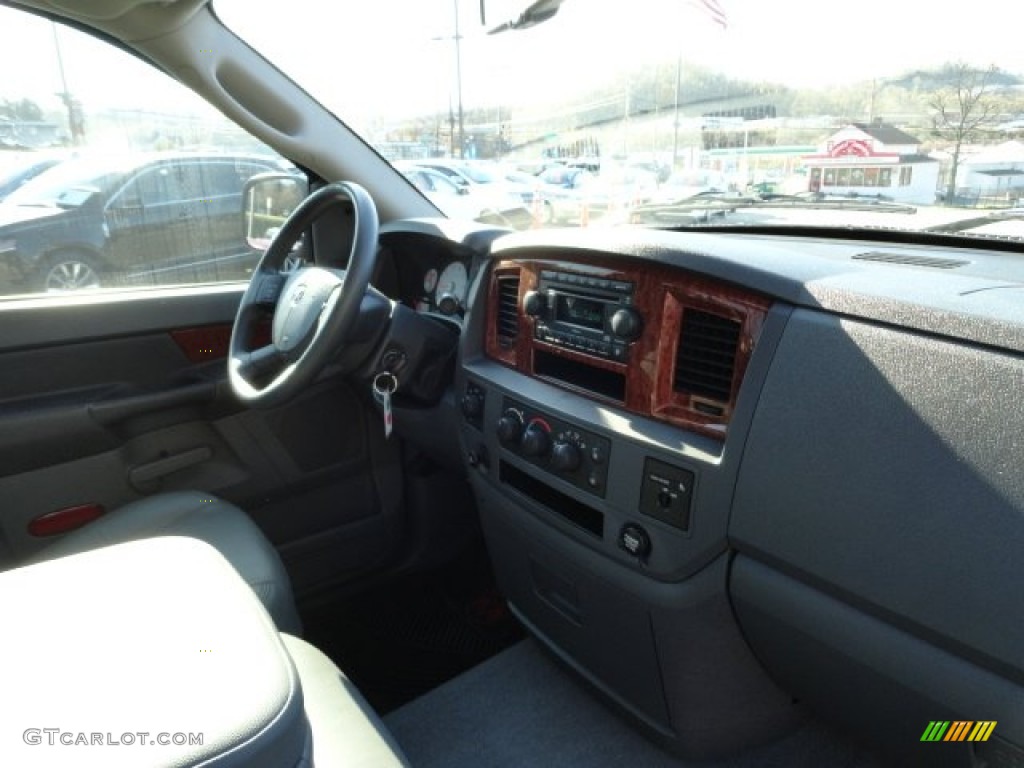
588,314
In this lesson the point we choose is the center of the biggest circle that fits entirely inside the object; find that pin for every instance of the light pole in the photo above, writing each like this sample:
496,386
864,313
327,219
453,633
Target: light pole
65,94
675,112
458,81
458,88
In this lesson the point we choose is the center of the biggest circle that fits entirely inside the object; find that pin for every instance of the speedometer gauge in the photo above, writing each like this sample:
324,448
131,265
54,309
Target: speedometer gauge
451,288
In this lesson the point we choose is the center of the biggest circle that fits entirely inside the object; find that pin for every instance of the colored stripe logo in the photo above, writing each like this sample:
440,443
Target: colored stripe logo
959,730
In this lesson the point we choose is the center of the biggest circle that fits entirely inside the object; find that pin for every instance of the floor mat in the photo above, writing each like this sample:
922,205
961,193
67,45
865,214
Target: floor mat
398,642
521,709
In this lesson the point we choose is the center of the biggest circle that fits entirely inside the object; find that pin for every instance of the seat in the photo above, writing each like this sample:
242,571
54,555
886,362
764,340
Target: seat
200,516
192,652
346,731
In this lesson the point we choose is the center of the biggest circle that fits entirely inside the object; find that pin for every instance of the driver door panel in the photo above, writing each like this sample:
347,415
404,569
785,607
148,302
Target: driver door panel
105,402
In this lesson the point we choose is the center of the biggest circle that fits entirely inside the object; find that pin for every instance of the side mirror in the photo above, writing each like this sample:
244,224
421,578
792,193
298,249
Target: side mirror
81,197
268,199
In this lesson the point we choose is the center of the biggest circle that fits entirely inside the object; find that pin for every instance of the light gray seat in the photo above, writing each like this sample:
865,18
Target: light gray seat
345,729
200,516
189,652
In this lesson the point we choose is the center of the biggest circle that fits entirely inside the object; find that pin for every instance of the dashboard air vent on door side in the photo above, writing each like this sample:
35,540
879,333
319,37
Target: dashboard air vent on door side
507,315
706,355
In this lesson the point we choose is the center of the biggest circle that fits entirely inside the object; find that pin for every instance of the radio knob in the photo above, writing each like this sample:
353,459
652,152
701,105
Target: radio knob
534,303
565,457
536,441
510,427
627,323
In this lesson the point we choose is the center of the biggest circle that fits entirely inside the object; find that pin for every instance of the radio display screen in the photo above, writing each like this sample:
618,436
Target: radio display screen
579,311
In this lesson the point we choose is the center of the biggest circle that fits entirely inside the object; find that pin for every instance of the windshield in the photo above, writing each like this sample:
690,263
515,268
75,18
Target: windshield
681,113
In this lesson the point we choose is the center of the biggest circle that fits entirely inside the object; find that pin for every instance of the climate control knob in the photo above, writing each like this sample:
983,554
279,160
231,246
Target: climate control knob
565,457
627,323
510,427
536,440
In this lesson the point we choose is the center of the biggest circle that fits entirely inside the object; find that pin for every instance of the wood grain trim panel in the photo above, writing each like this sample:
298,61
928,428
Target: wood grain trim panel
663,295
509,355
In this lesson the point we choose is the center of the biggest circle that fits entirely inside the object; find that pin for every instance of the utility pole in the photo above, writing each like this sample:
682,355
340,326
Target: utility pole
458,89
675,111
458,81
65,94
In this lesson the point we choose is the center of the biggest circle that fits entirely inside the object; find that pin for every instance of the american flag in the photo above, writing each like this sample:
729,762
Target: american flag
713,9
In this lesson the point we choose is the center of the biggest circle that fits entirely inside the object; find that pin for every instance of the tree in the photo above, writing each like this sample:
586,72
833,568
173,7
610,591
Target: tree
963,108
25,109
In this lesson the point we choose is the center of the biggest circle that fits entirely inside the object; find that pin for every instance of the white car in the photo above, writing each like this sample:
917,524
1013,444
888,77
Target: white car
464,199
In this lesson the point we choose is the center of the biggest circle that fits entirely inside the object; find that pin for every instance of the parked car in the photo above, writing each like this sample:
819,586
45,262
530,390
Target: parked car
533,193
18,168
578,195
81,224
568,190
456,195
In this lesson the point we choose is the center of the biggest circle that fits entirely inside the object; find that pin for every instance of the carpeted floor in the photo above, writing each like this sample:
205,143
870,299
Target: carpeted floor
401,640
520,709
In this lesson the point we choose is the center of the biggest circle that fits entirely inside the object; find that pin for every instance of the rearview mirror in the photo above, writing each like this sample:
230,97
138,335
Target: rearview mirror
268,199
514,16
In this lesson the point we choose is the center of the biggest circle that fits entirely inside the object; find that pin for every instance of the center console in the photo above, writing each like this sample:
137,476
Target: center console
604,401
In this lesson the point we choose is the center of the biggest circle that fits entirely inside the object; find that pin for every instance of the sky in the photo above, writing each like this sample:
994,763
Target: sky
331,46
801,43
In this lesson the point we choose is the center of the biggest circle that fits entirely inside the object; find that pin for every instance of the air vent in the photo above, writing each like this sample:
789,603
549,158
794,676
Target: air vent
911,261
507,316
706,356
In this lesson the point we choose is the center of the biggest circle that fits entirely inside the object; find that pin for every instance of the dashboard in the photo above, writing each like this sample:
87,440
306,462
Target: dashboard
427,276
720,473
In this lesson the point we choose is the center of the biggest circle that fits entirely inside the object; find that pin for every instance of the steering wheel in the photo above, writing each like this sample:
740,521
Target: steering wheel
314,308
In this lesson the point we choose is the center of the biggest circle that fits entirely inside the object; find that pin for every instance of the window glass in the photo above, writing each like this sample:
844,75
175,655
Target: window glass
445,186
140,185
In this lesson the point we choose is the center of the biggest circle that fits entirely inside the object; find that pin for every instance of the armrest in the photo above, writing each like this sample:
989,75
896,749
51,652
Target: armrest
158,637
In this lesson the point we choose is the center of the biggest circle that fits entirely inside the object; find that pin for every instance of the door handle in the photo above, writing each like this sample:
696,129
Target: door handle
145,474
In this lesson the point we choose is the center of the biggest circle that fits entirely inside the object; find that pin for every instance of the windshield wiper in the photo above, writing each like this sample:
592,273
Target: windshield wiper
721,204
973,222
829,204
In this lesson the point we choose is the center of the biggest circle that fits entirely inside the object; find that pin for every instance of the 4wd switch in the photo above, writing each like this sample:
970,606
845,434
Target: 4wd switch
666,492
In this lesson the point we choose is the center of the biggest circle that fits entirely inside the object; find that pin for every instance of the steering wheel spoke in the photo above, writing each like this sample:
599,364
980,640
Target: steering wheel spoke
257,363
267,287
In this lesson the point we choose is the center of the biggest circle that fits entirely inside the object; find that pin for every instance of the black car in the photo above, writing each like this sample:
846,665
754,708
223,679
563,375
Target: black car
17,169
129,219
